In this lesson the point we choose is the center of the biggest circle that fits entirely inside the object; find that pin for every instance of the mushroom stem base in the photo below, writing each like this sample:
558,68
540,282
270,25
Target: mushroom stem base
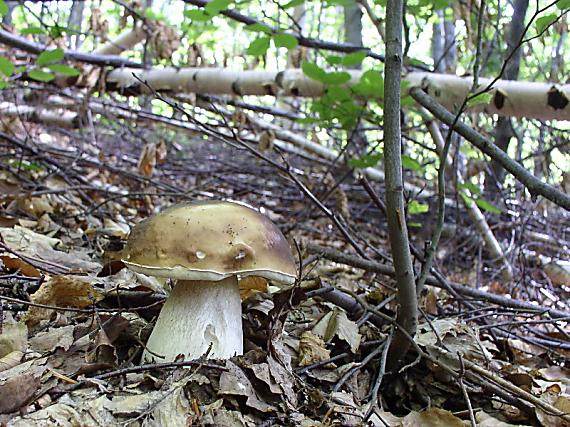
198,314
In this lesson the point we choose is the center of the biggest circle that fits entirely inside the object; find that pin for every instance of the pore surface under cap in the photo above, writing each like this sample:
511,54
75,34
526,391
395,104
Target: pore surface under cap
209,240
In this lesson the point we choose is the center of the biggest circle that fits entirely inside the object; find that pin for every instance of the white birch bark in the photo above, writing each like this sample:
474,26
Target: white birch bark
533,100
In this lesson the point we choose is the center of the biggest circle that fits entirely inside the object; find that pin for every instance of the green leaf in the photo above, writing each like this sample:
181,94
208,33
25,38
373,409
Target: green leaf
64,69
293,3
285,40
4,84
544,21
56,32
259,46
419,63
371,85
338,94
366,161
354,58
24,164
412,164
334,59
33,30
415,207
49,56
336,78
473,188
406,101
307,121
466,199
481,99
197,15
485,205
563,4
216,6
258,27
40,75
313,71
3,8
414,224
439,4
6,67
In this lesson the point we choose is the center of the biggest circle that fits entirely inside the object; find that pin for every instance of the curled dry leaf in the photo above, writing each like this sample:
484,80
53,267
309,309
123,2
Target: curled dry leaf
251,285
312,350
558,272
235,382
554,396
14,337
164,39
48,341
147,160
336,323
62,291
433,417
10,360
58,415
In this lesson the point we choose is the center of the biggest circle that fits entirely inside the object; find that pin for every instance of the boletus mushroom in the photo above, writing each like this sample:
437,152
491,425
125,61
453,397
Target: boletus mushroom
206,246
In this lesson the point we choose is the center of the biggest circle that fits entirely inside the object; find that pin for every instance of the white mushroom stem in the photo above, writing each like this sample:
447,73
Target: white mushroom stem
196,314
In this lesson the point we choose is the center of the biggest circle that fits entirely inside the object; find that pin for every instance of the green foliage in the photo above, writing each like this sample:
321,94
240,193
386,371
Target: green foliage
415,207
367,161
49,56
473,188
33,29
474,196
481,99
258,27
25,165
328,3
411,164
354,58
214,7
563,4
371,85
285,40
293,3
487,206
40,76
259,46
6,67
3,8
65,70
313,71
544,21
197,15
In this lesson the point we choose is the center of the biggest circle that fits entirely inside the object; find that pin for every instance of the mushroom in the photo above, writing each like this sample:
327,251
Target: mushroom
206,246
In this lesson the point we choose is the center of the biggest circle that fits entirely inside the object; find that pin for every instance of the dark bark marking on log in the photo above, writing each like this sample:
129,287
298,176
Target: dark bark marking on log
557,99
499,99
236,88
269,89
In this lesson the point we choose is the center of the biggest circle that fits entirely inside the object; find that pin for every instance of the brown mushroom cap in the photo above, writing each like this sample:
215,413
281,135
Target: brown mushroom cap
209,240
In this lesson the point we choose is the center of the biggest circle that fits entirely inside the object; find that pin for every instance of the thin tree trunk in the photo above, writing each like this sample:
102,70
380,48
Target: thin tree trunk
437,43
353,35
397,229
503,130
74,23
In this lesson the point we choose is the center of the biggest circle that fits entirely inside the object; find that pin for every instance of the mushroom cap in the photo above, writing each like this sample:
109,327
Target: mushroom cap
209,240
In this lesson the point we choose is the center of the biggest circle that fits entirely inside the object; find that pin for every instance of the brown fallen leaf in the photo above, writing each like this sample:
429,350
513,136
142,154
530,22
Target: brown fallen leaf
312,350
15,392
234,382
14,337
62,291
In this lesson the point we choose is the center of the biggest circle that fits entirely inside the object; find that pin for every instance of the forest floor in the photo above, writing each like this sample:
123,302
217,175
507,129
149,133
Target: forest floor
74,320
